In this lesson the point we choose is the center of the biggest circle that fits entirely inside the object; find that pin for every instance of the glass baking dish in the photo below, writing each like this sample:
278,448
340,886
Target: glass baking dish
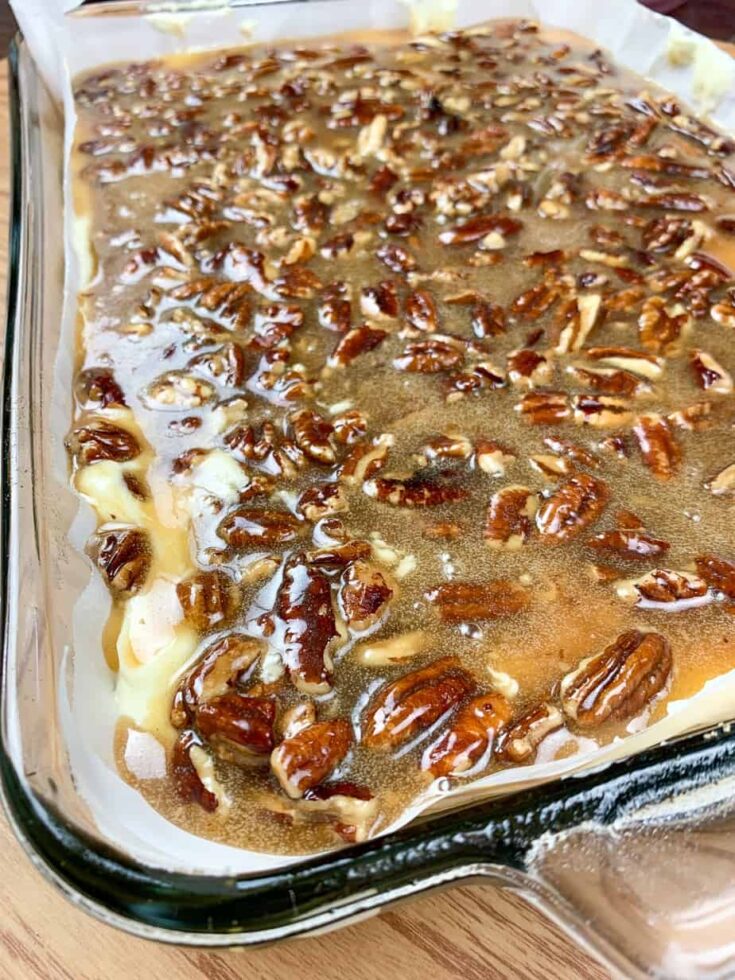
636,860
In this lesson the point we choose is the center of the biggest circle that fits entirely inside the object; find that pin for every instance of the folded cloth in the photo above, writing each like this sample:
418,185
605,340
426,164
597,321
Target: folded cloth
714,18
663,6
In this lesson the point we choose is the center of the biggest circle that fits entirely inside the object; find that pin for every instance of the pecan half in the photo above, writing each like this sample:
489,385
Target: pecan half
404,224
709,374
249,526
544,407
417,491
570,450
297,283
225,366
349,426
338,246
186,778
723,312
548,465
382,180
602,199
665,234
296,718
571,508
363,595
449,446
659,330
509,517
275,323
665,588
339,555
601,411
310,214
470,739
366,459
97,389
528,368
263,444
493,458
305,759
429,357
607,381
606,141
660,451
348,808
411,704
488,320
583,316
443,530
396,258
484,374
519,742
358,341
723,485
638,362
304,606
123,556
402,646
617,446
335,314
718,573
381,301
673,201
535,301
322,500
420,311
462,601
136,486
176,391
553,257
238,728
312,435
102,440
223,665
475,229
208,599
661,165
692,418
630,543
618,682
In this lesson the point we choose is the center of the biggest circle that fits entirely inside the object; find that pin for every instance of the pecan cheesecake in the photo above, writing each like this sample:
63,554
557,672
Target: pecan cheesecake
404,402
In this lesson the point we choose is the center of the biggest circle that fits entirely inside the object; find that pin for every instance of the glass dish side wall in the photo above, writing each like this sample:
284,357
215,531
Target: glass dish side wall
497,841
40,567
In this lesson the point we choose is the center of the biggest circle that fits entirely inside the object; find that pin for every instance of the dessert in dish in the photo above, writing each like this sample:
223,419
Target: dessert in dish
405,406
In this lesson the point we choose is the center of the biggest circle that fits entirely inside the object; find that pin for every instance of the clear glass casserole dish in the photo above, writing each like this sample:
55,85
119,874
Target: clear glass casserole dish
635,860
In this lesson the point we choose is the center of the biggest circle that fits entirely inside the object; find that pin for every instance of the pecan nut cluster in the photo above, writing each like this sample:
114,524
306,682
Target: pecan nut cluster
405,403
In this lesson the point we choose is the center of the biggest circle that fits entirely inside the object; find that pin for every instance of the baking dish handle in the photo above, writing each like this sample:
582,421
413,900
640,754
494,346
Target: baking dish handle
595,851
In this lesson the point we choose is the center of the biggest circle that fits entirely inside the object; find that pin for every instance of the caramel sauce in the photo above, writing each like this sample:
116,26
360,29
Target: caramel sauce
181,161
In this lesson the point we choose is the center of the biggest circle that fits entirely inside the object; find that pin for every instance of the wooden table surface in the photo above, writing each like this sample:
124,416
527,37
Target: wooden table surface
476,932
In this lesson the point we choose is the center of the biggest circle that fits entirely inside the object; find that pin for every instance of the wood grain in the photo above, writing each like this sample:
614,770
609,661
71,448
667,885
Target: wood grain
477,933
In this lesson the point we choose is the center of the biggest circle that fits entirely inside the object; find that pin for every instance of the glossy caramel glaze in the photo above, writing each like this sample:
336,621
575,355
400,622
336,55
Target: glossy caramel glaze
405,404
